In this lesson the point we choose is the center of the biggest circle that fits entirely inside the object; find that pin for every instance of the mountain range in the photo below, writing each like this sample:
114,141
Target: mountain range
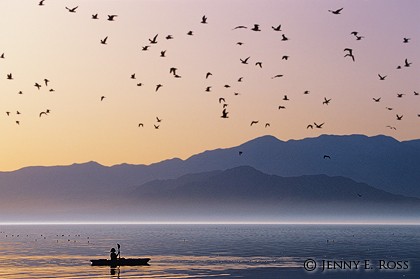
364,164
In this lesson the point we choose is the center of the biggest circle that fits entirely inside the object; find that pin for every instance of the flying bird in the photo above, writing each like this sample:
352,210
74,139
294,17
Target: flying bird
208,88
267,125
406,64
221,100
156,126
406,40
144,48
224,114
336,12
72,10
172,70
282,107
102,98
111,17
326,101
276,28
319,126
158,86
37,85
158,119
169,37
400,95
327,157
46,81
140,125
350,53
276,76
190,33
240,79
284,57
139,84
416,93
162,53
103,41
42,113
240,27
41,3
95,16
399,117
258,64
133,76
381,77
285,98
377,100
2,55
284,38
359,195
245,61
256,27
204,19
208,74
9,76
306,92
254,122
309,126
153,41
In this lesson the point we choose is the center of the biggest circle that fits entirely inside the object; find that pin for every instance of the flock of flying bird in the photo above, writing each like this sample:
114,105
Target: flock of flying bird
174,71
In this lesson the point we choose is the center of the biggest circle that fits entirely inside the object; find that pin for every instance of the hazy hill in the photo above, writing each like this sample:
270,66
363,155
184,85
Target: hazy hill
379,161
244,191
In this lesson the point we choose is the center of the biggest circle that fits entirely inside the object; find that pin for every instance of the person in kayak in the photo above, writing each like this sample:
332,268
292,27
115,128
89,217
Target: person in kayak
114,255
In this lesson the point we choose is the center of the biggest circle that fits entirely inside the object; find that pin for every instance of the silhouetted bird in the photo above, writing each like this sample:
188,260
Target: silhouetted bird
239,43
240,27
240,79
327,157
140,125
102,98
204,19
162,53
416,93
400,95
133,76
377,100
267,125
254,122
359,195
326,101
245,61
350,53
37,85
406,40
282,107
169,37
336,12
139,84
284,38
190,33
208,88
156,126
276,28
104,40
72,10
158,86
41,3
406,64
2,55
208,74
256,27
42,113
46,81
319,126
9,76
240,153
222,100
172,70
381,77
276,76
399,117
258,64
285,98
95,16
309,126
285,57
153,41
224,114
306,92
111,17
391,127
226,86
145,48
158,120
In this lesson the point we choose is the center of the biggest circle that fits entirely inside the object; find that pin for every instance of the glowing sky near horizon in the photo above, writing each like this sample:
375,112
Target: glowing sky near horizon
49,42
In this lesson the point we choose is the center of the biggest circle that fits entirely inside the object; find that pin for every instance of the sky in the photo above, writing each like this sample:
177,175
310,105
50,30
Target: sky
49,42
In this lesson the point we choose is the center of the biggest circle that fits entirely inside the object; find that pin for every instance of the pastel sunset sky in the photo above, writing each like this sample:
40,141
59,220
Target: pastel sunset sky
49,42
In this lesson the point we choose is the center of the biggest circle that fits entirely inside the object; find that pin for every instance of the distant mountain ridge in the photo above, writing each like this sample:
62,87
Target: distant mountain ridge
379,161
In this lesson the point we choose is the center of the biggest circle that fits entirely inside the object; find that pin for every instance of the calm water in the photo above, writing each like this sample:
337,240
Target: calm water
208,251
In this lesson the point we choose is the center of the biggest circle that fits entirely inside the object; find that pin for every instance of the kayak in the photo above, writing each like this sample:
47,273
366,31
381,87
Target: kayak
120,262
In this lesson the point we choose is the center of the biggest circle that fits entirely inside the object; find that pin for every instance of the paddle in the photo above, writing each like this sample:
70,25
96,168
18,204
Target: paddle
119,255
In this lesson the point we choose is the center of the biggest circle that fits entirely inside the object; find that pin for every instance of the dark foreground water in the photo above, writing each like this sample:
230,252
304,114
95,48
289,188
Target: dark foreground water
212,251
